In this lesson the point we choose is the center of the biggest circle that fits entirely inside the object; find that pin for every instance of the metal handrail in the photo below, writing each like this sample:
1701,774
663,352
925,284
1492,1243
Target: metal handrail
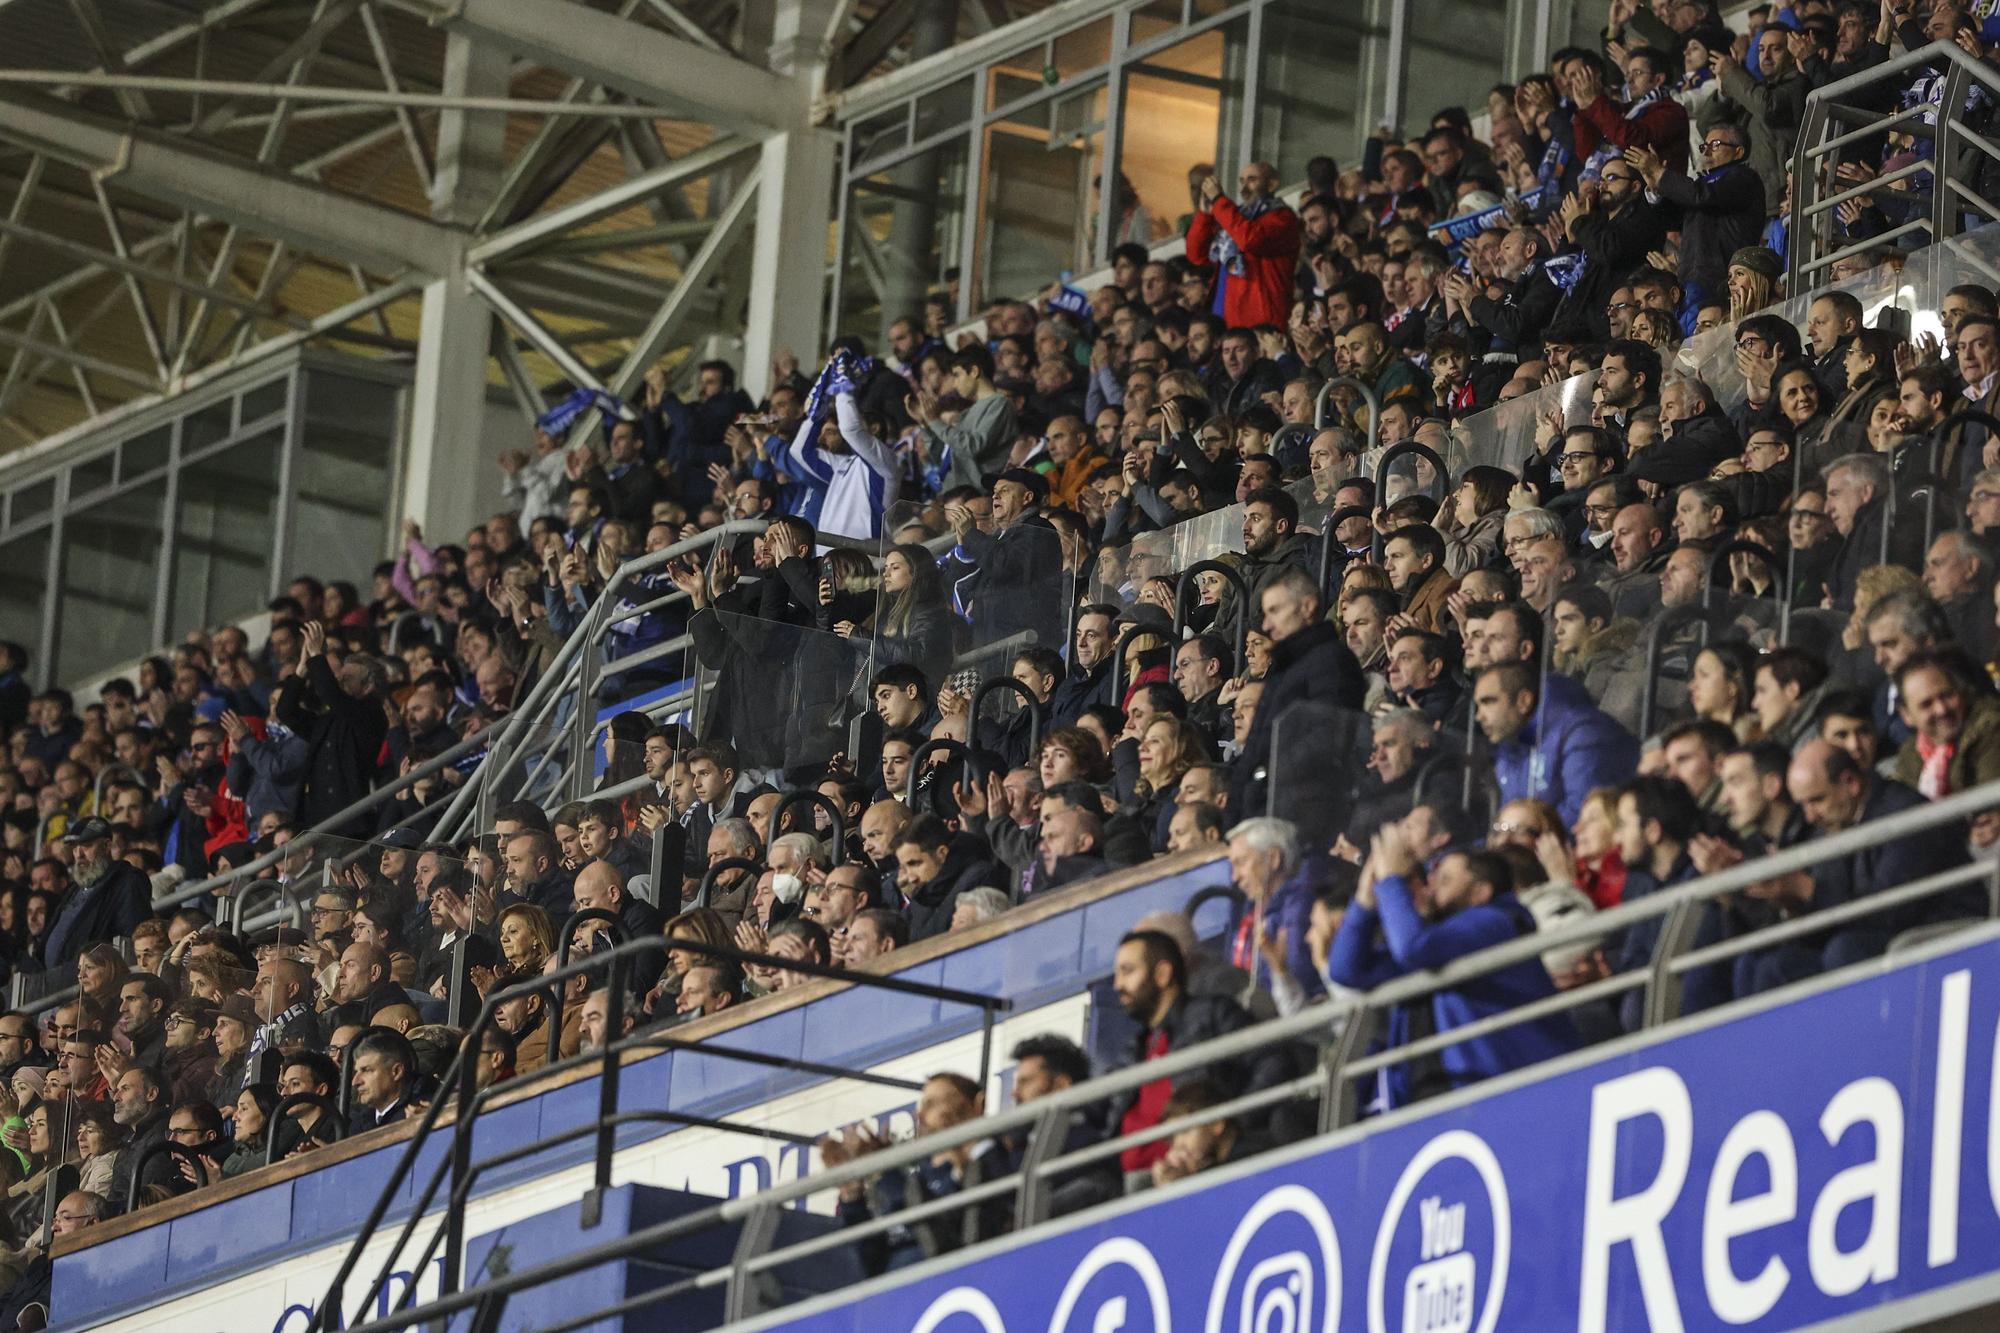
924,751
837,843
1037,714
1343,1015
460,1072
162,1148
328,1108
1833,105
1402,449
553,683
743,863
1189,582
1327,542
1671,618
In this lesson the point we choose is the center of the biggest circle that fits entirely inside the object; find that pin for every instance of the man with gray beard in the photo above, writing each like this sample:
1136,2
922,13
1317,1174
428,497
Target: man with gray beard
106,899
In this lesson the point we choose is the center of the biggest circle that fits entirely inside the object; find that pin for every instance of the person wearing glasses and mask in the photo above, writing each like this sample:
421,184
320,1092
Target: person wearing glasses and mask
1718,210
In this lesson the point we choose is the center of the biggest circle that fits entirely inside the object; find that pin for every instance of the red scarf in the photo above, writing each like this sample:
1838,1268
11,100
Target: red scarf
1146,1110
1935,780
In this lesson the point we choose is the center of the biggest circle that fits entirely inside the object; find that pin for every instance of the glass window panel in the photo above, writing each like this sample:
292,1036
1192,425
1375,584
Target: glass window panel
1010,85
883,132
110,556
32,501
1083,49
1314,84
950,107
904,228
26,561
144,453
1035,218
1183,106
266,399
340,481
225,529
207,426
93,474
1154,18
1455,54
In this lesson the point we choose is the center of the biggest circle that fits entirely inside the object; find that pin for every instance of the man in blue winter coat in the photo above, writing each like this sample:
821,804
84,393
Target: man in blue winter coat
1403,920
1550,743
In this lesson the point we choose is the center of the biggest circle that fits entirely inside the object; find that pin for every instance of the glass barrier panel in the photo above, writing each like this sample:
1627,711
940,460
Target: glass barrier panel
1318,775
786,698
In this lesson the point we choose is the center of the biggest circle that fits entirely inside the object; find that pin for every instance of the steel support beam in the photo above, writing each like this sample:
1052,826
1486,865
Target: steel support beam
641,62
605,203
268,202
448,466
788,264
472,145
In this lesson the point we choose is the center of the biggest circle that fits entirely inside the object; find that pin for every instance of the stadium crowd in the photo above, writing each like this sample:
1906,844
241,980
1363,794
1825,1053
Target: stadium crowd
1023,494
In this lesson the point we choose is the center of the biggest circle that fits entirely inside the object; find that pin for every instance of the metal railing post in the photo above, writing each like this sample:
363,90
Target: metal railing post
1190,582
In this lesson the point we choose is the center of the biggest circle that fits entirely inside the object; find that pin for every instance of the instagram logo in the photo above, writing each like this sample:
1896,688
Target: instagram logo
1296,1290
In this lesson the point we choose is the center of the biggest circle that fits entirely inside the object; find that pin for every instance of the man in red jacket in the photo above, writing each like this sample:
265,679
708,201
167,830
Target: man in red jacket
1253,245
1652,119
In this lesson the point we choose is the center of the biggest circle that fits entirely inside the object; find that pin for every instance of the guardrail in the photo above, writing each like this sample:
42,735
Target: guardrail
459,1078
1337,1031
1835,121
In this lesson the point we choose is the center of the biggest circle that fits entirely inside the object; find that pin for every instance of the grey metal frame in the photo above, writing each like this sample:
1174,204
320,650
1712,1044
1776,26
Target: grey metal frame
1832,122
873,100
1340,1030
62,465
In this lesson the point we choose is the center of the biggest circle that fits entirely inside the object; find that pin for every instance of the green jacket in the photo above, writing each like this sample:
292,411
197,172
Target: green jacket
1977,758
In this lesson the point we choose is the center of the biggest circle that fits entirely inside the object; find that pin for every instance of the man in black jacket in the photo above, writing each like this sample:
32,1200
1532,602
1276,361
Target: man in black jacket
1718,212
1518,317
344,734
1616,232
106,899
1091,678
932,868
1149,974
1014,568
139,1102
1309,664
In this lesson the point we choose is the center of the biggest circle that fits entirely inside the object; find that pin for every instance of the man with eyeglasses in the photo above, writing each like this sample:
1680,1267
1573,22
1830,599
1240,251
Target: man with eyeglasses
1982,506
26,1303
1759,481
1717,212
20,1045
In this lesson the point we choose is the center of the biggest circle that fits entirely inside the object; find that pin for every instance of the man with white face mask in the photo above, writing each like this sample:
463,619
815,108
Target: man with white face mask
792,856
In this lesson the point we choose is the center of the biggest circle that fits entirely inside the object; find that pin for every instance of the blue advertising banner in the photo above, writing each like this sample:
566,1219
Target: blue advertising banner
1809,1160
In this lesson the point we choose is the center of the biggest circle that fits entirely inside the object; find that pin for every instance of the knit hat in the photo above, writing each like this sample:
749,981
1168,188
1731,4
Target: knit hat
1759,259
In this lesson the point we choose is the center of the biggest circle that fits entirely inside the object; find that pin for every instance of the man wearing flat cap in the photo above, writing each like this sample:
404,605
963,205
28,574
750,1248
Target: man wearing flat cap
1015,567
106,898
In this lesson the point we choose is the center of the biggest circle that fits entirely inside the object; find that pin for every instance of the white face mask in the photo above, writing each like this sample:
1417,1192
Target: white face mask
787,889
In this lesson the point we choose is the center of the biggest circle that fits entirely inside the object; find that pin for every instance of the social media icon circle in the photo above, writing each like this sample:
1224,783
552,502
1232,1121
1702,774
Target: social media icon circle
1445,1240
1288,1252
970,1302
1110,1302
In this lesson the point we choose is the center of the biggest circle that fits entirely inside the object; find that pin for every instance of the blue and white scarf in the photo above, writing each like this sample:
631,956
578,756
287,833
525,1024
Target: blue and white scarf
1606,151
564,414
1223,251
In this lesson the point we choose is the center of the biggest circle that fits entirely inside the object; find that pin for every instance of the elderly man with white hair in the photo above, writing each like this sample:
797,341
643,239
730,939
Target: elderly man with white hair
1266,866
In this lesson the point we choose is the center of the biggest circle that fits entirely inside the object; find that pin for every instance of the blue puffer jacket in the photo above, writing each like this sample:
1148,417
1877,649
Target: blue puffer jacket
1568,747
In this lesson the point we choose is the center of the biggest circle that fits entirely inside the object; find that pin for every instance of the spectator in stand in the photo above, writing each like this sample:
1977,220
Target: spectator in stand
1253,244
1402,922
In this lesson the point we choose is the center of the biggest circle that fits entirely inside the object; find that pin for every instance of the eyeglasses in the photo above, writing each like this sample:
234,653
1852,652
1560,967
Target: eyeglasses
1752,340
1506,829
1600,511
1712,145
176,1021
183,1132
1579,457
1622,305
335,910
